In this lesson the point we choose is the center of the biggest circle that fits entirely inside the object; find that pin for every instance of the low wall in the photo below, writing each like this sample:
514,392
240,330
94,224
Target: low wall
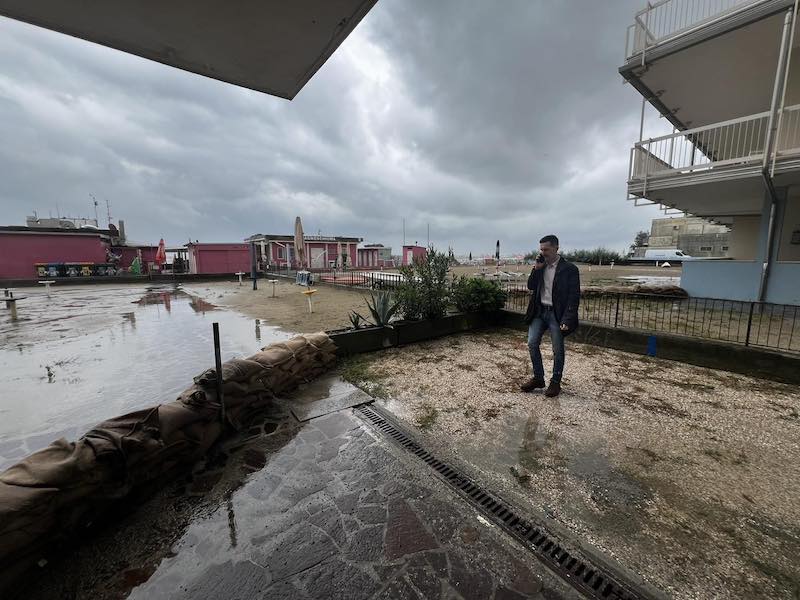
746,360
153,278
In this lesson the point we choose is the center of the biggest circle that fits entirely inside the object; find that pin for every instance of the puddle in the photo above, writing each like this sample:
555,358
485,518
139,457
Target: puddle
525,451
85,355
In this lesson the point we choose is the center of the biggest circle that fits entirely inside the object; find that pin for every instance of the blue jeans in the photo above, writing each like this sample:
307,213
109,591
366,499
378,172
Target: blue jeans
546,319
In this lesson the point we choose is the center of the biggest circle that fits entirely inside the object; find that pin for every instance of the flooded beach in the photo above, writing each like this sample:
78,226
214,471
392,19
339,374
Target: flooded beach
88,353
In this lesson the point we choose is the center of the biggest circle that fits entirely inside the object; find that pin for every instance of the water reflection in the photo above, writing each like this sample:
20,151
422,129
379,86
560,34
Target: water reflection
84,356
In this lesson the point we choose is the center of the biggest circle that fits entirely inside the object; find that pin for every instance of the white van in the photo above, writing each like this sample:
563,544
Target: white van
662,254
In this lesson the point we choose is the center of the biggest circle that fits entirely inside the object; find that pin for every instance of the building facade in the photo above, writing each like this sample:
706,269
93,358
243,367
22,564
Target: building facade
218,259
29,253
375,255
321,252
694,236
413,252
727,79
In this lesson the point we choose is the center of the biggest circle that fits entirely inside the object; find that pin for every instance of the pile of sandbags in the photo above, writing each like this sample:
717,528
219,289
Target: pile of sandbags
669,291
54,489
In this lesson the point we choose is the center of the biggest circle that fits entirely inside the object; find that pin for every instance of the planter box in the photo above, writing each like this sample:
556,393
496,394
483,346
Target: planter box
354,341
368,339
409,332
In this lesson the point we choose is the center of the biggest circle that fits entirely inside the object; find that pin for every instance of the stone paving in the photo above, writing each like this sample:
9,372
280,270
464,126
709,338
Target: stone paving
338,513
323,509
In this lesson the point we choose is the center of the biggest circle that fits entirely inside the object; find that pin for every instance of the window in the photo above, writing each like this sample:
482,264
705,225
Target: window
675,228
724,248
705,248
281,252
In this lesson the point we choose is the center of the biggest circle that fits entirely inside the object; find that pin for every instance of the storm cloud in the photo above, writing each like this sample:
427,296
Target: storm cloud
483,120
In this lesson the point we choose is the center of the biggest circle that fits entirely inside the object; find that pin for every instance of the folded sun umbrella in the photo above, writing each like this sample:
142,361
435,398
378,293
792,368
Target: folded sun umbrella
161,254
299,244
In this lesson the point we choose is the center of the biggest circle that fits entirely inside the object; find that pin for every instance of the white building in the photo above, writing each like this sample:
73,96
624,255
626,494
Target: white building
726,75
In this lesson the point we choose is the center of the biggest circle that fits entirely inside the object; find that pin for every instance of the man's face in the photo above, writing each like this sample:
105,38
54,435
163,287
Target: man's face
548,251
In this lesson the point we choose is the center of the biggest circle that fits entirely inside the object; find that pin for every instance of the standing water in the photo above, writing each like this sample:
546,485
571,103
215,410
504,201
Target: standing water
86,354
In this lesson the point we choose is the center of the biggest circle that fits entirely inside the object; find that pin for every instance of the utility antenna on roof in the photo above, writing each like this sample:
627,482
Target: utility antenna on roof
108,210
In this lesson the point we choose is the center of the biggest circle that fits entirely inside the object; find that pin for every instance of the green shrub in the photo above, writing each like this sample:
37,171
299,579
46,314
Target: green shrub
471,294
423,293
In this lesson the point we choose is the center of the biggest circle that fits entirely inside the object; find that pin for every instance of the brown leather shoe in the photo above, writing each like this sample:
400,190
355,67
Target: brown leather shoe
554,389
532,384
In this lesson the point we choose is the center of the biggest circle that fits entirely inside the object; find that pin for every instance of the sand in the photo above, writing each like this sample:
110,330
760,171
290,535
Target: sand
289,308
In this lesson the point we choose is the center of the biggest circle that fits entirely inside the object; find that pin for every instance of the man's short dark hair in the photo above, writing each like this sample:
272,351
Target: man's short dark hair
549,239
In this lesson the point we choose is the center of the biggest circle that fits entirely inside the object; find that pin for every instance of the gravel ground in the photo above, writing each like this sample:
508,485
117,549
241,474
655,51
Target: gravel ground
688,476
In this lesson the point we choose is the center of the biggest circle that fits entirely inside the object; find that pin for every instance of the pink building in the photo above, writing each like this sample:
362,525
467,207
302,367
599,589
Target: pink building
411,253
368,257
21,248
128,253
321,252
218,259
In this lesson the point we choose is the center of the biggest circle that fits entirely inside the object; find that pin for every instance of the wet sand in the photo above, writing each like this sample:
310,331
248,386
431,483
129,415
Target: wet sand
289,308
688,476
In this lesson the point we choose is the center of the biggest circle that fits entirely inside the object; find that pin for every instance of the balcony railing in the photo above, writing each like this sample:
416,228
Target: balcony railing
665,19
738,142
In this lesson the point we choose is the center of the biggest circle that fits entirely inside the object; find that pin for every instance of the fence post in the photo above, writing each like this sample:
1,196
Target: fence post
616,314
749,324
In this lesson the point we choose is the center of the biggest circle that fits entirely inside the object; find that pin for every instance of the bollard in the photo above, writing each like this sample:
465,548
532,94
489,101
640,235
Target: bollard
273,282
218,366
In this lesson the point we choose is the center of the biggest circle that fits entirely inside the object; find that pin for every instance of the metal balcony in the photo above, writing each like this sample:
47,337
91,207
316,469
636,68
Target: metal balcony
711,151
666,19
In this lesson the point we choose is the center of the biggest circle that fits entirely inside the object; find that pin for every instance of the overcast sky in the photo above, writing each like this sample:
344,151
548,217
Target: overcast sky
483,122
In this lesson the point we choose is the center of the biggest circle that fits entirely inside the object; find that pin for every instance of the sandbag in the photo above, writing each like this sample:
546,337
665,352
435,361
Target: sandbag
47,492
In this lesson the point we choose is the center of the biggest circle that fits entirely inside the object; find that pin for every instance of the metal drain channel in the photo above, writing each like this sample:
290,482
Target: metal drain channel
591,580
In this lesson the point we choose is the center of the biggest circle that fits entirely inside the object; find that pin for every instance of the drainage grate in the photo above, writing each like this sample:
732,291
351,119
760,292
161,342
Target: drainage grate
592,580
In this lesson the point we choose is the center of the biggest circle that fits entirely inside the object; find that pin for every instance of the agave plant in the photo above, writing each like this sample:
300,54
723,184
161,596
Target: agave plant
356,319
382,307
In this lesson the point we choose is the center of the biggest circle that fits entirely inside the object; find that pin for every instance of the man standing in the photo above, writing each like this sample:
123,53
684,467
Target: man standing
556,291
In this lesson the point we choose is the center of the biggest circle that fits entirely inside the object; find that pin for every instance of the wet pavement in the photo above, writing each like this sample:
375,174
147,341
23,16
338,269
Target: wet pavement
325,508
87,353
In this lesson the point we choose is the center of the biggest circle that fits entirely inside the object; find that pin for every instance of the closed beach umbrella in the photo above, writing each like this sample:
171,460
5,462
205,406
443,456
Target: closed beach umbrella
161,254
497,251
299,244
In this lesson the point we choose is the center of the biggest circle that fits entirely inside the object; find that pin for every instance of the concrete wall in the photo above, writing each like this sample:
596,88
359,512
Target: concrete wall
744,238
731,280
20,251
665,233
788,251
705,245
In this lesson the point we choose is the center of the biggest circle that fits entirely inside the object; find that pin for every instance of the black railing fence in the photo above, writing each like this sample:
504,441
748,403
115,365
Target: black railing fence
774,326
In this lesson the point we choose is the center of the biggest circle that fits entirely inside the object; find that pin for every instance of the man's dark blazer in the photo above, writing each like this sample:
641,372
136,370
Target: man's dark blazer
566,294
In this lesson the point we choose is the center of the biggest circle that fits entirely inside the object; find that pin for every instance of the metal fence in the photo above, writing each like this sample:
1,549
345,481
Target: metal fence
773,326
